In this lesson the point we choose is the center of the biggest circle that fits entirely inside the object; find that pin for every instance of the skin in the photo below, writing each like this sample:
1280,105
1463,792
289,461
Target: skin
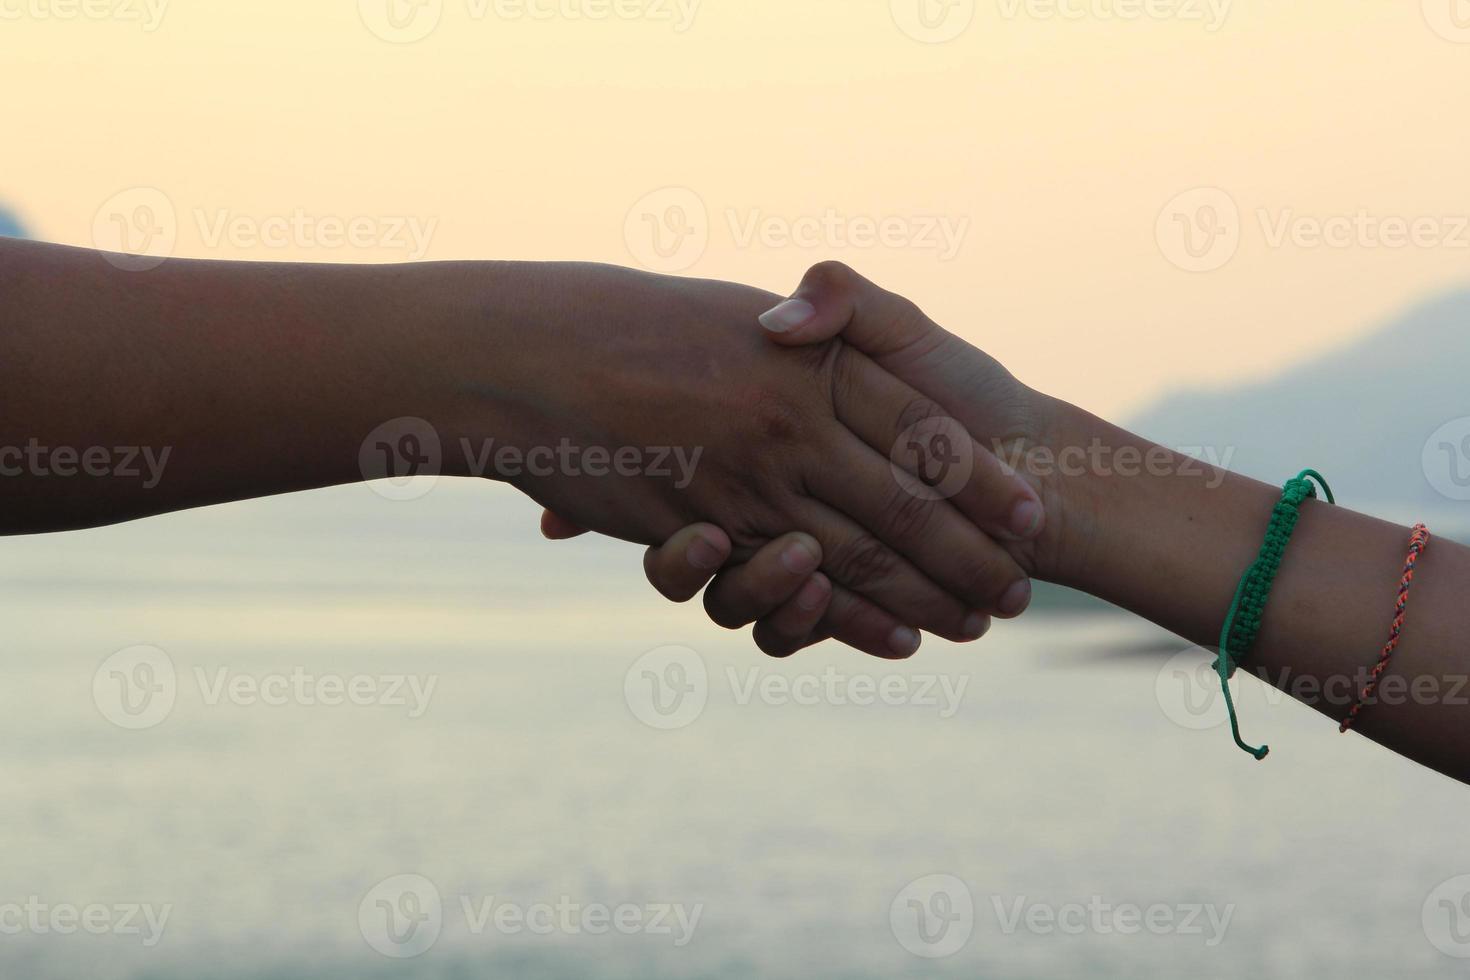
1167,541
266,378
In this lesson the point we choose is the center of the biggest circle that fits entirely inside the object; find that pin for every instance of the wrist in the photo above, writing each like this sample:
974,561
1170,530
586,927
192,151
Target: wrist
1134,523
1054,459
494,335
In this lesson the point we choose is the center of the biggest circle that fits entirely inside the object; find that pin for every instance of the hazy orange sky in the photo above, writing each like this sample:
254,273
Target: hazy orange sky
1015,165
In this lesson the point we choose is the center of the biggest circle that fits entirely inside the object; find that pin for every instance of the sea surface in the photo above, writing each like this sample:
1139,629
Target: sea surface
217,767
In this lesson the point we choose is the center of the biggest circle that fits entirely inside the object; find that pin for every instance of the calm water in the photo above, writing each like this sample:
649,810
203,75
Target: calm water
1010,807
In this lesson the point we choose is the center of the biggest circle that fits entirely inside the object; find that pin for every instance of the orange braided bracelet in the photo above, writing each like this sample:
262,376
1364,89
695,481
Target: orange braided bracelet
1418,541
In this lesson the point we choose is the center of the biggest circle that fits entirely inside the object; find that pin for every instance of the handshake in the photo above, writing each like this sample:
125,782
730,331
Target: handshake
841,459
833,460
851,482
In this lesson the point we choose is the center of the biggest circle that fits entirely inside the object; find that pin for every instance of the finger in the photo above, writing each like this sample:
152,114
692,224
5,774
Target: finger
558,528
922,441
792,626
891,329
743,594
786,626
910,518
681,566
863,563
858,623
833,299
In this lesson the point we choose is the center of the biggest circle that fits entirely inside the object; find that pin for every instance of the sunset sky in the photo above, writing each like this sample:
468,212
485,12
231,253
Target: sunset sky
1021,179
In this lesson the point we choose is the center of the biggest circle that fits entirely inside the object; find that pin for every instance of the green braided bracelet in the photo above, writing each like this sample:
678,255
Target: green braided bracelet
1243,621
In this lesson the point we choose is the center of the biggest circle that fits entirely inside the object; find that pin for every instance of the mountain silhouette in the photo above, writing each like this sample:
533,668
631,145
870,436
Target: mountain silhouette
10,226
1370,416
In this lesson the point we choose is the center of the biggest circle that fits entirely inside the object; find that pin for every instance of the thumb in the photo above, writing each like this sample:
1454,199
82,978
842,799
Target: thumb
557,528
833,299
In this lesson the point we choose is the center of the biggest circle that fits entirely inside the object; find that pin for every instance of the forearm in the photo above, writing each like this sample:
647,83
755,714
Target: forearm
1168,538
135,393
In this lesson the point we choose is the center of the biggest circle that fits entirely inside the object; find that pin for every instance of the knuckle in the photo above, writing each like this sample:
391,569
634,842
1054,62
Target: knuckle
832,274
905,312
777,417
918,410
845,378
908,515
863,560
989,577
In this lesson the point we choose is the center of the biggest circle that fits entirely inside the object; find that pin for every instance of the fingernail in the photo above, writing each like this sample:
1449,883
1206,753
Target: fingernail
903,641
811,595
1026,518
799,558
1016,599
703,555
788,315
976,625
